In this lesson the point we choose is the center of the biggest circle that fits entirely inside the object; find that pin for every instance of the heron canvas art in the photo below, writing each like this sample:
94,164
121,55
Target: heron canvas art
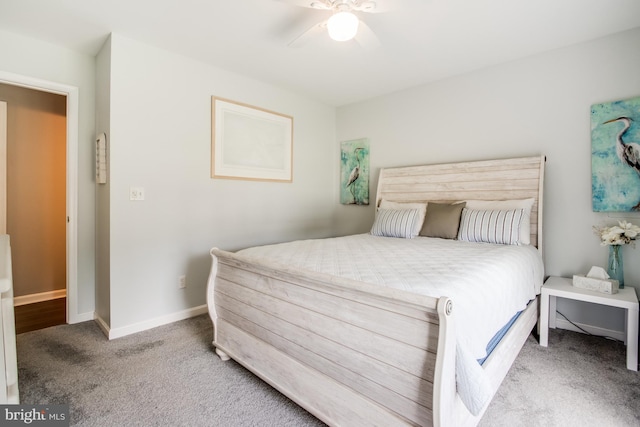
354,172
615,156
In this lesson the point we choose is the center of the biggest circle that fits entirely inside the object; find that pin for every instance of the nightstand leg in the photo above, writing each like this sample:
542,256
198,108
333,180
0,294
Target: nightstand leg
544,319
632,339
553,300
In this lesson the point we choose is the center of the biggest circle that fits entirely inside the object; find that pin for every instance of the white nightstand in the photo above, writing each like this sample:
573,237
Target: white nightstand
561,287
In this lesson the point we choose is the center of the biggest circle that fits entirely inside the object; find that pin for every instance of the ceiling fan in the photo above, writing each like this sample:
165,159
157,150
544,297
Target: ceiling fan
343,25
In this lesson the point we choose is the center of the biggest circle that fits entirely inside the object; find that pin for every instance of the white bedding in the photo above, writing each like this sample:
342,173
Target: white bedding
488,283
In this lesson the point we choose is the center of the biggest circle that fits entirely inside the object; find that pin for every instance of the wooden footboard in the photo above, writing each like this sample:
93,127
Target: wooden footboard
350,353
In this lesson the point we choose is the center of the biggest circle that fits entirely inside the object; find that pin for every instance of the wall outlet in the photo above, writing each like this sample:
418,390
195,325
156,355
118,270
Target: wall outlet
182,282
136,193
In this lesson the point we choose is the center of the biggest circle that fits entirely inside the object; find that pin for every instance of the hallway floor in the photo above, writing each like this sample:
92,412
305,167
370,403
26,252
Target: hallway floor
40,315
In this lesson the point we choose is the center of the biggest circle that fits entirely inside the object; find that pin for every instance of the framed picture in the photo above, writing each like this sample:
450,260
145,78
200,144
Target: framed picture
354,172
250,143
615,156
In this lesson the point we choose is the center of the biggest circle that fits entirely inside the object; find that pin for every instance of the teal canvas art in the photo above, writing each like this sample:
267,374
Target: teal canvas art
354,172
615,156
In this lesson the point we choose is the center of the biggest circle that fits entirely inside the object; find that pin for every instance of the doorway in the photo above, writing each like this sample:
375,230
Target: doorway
70,196
36,204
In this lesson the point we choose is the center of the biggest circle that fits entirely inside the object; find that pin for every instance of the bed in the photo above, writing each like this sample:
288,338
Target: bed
353,353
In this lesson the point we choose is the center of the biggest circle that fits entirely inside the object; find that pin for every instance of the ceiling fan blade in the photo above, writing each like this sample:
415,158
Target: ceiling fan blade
303,38
366,37
368,6
314,4
320,4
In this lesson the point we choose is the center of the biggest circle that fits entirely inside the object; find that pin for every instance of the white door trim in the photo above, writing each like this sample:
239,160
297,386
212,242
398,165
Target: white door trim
71,92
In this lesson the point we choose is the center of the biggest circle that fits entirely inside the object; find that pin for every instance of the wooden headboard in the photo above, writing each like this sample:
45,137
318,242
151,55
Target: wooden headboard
503,179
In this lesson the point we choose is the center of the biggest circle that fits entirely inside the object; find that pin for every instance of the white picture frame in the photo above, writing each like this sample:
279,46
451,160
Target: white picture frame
250,143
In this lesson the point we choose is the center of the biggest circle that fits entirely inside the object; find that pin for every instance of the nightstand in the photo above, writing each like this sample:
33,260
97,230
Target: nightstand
562,287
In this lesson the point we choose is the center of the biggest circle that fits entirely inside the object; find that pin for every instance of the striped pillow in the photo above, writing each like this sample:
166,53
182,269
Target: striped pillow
395,223
491,226
422,208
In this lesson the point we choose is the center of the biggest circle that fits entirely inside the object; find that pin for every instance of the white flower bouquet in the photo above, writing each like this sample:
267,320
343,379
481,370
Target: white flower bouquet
621,234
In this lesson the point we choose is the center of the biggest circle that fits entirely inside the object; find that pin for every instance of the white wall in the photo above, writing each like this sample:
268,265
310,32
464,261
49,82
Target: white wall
160,139
538,105
103,226
40,60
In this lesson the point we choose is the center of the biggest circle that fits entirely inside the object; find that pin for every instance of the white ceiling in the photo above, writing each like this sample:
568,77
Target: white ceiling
421,40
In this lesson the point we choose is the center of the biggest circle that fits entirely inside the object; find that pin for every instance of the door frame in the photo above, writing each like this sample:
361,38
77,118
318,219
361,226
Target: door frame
3,167
71,93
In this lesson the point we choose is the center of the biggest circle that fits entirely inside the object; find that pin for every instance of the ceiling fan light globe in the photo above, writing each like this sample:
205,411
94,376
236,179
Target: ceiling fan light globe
343,26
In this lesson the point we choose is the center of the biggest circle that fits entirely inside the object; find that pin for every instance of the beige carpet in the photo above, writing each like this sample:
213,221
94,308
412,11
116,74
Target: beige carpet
169,376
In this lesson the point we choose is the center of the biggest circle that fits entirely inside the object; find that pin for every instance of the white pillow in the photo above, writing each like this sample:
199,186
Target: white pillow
526,204
395,223
422,207
491,226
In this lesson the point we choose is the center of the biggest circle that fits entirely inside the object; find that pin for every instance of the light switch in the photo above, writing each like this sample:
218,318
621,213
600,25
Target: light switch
136,193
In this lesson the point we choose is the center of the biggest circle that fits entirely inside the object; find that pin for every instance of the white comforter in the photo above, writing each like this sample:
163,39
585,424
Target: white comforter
488,283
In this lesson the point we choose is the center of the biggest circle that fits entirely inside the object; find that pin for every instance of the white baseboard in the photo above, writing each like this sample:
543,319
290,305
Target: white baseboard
562,323
113,333
81,317
102,324
39,297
